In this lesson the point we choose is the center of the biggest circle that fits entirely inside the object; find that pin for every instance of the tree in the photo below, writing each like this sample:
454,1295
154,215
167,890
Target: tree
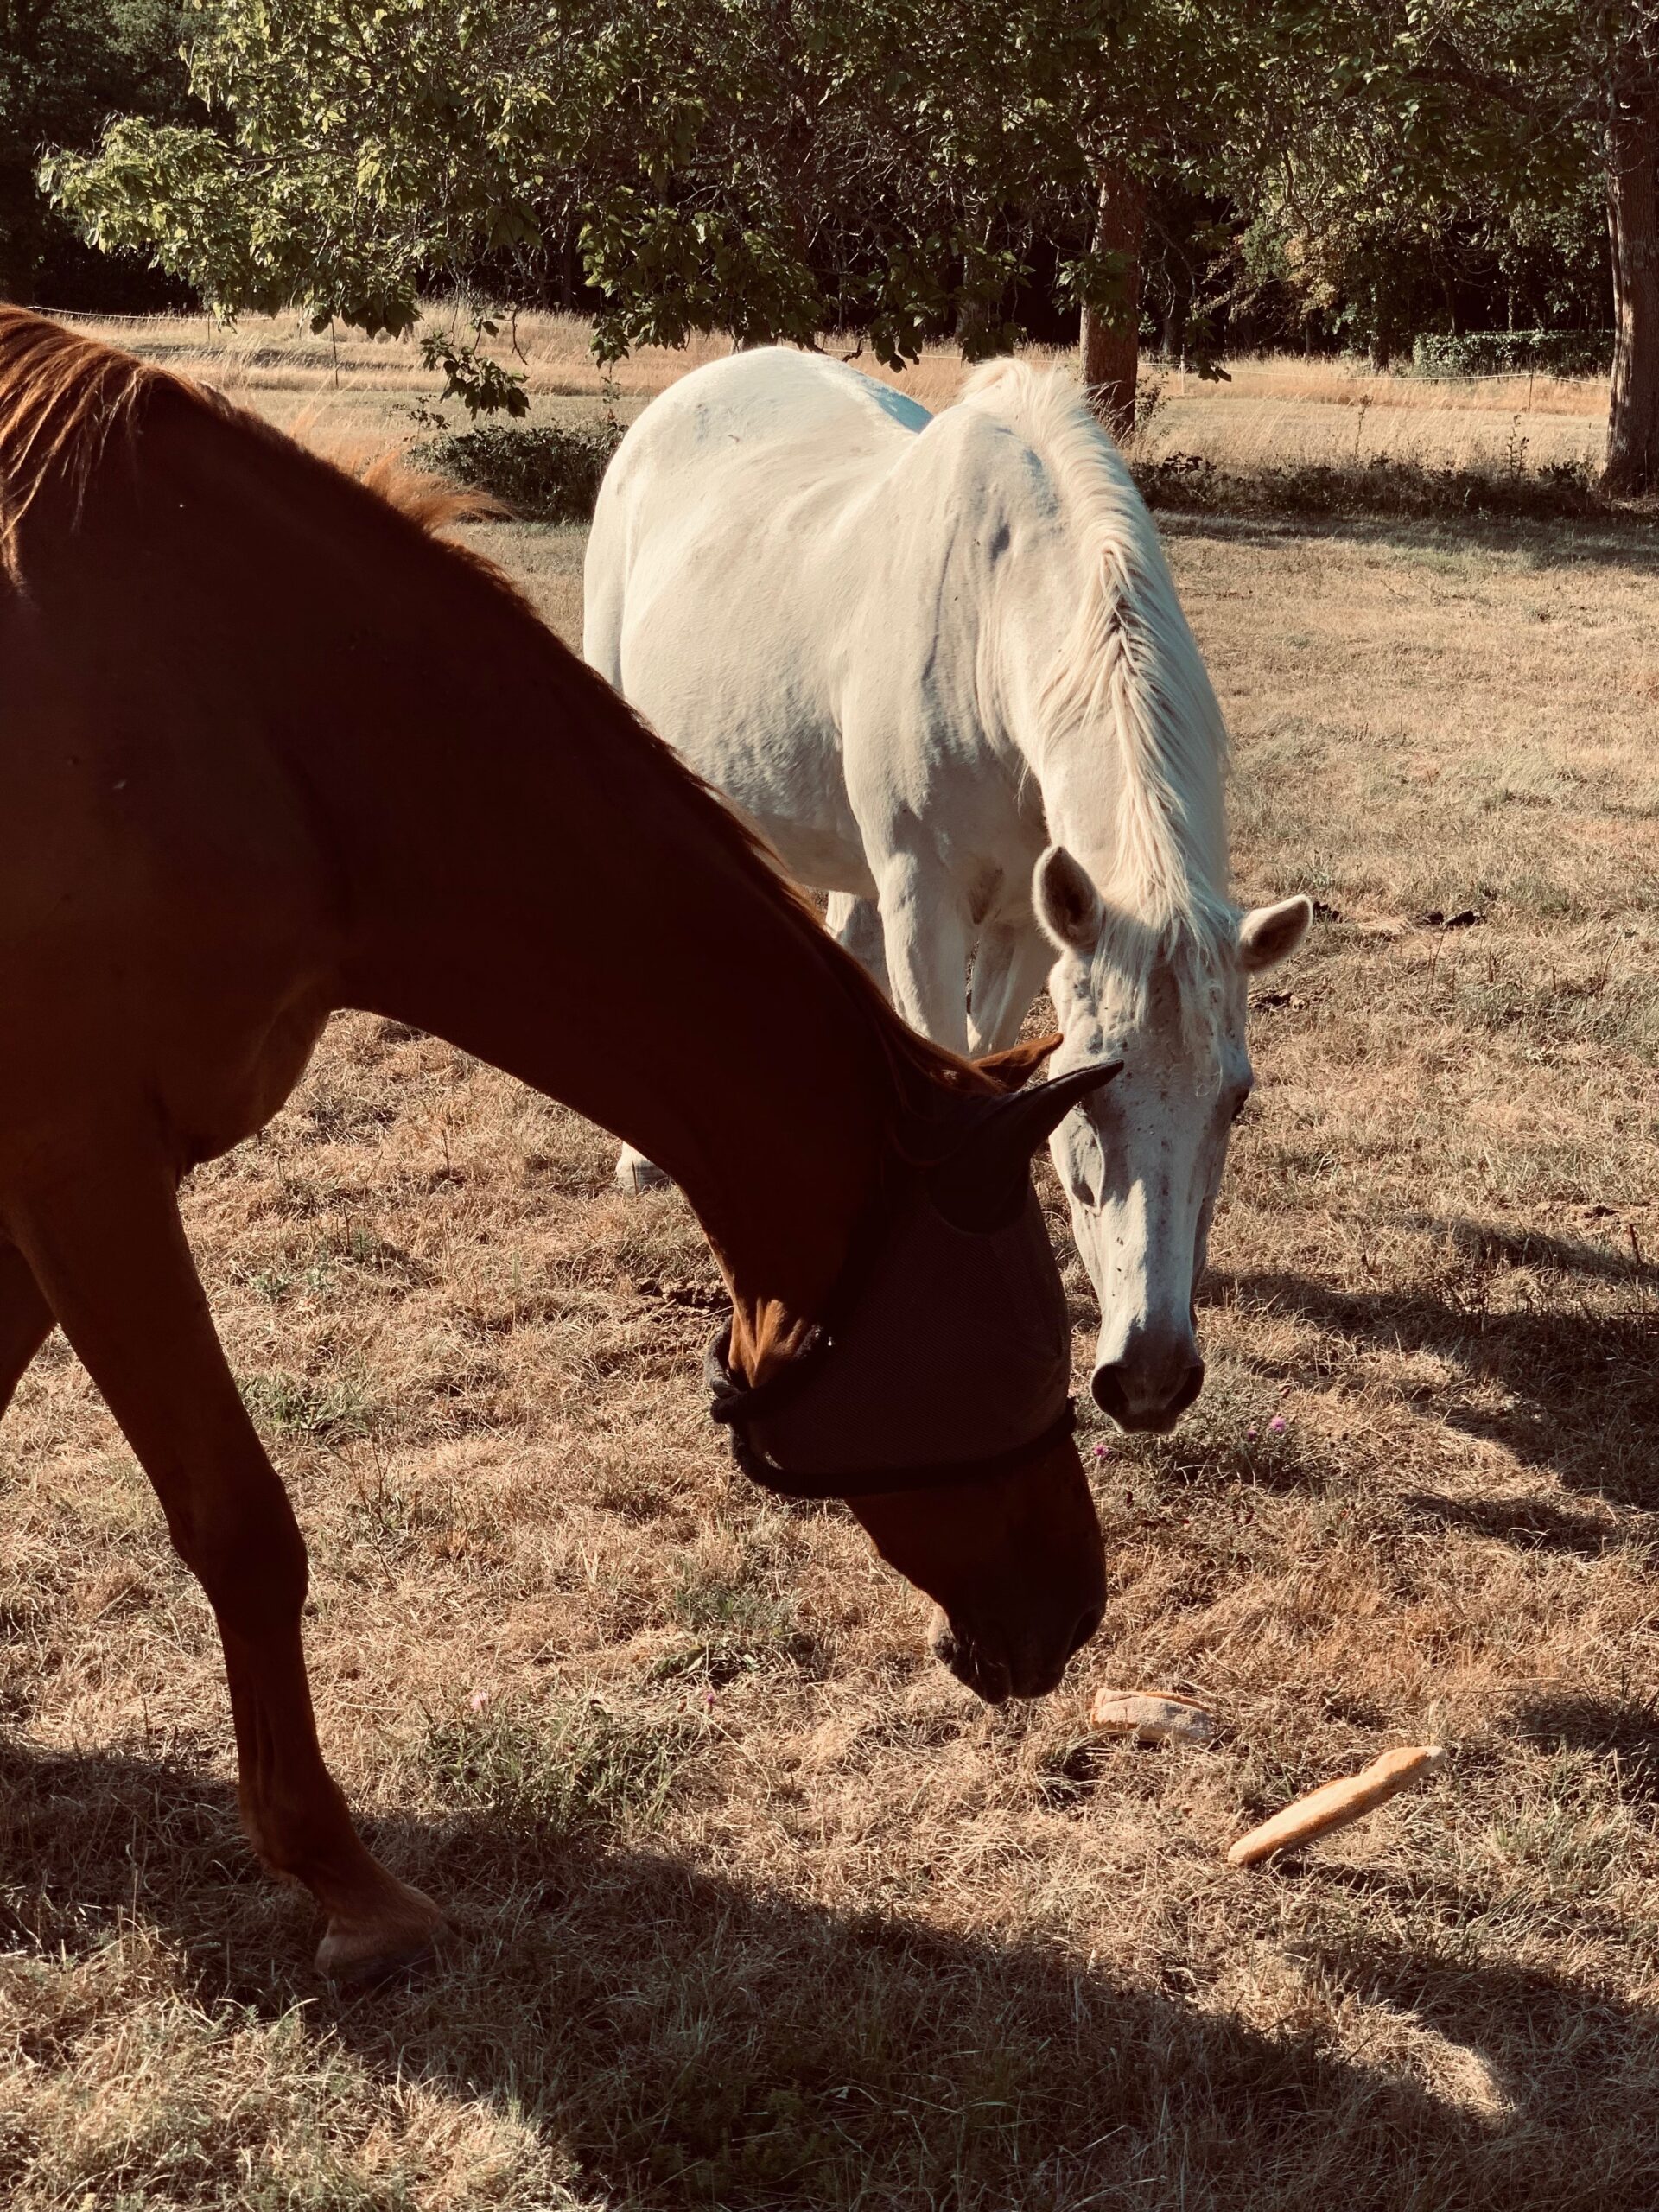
1620,93
64,65
773,167
1491,120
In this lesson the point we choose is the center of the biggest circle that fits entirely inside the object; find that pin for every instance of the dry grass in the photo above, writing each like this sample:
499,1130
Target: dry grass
761,1910
1282,412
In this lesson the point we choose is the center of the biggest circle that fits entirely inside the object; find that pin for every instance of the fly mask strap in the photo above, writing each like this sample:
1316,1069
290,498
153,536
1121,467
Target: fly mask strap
896,1392
732,1405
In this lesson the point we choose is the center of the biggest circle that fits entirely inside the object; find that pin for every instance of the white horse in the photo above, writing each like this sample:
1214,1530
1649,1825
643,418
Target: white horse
939,663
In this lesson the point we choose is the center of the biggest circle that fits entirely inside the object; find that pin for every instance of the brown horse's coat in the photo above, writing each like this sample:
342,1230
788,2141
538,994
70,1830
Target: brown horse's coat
267,749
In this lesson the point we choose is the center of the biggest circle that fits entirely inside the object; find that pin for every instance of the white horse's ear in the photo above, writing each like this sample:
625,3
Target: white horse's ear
1269,934
1067,905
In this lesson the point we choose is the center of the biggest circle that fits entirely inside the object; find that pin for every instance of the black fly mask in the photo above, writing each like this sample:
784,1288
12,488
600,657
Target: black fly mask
945,1356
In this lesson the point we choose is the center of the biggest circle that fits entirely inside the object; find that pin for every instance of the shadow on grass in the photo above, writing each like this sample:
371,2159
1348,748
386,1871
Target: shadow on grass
1580,1388
1531,1524
1611,1727
1563,543
688,2040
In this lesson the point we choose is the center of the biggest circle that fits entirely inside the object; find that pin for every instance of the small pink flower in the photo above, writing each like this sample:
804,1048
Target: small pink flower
709,1699
1249,1436
1103,1451
1276,1425
479,1700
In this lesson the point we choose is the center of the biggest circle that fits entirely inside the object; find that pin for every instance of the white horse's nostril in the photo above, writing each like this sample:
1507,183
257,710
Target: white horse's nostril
1144,1396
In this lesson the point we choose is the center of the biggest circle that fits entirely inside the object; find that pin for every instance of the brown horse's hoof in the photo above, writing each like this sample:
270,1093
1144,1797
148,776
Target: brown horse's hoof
403,1932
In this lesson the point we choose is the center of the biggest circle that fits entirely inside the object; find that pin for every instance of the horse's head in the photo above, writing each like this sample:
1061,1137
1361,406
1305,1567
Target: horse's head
937,1399
1142,1161
1015,1567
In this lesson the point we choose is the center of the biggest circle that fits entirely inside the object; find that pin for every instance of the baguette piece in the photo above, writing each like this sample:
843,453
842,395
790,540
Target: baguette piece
1338,1803
1151,1717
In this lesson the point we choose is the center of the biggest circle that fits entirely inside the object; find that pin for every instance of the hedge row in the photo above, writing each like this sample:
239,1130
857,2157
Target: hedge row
1514,352
550,474
1399,489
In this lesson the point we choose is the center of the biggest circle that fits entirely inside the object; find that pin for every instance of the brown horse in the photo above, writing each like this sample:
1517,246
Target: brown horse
245,779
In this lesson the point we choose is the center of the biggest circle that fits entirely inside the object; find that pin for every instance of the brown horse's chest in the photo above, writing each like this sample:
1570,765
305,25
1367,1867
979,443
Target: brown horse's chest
166,934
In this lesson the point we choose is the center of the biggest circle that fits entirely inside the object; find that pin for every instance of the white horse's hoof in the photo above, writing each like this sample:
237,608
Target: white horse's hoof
634,1174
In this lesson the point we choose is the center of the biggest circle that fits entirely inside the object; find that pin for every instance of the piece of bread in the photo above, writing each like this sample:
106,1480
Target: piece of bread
1338,1803
1151,1717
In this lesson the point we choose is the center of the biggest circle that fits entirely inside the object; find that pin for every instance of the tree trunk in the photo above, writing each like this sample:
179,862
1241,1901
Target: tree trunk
1110,345
1633,229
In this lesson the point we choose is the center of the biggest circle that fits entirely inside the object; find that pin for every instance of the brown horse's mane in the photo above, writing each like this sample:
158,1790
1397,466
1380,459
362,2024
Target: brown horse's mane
67,398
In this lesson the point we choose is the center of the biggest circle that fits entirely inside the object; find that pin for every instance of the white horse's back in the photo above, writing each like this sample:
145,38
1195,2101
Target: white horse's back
750,585
740,460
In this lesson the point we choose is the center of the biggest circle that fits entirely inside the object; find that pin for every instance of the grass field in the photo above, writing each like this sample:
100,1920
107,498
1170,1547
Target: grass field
761,1910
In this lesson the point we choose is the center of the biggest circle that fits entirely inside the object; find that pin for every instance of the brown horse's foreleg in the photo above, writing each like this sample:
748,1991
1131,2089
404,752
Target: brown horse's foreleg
106,1246
25,1320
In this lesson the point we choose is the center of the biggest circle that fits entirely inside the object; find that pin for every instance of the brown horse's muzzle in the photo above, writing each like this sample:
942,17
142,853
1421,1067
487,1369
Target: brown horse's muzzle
996,1667
1018,1576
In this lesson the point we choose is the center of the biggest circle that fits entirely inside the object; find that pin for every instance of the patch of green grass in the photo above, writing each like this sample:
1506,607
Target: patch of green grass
276,1284
733,1625
332,1411
1236,1433
573,1770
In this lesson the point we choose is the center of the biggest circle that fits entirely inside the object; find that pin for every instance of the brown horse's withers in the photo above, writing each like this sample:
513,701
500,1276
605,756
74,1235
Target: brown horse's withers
244,781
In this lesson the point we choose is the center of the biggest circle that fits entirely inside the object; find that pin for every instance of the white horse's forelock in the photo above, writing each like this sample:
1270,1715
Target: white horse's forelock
1130,666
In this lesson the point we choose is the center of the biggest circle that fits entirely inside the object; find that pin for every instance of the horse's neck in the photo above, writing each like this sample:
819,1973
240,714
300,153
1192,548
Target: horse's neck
550,893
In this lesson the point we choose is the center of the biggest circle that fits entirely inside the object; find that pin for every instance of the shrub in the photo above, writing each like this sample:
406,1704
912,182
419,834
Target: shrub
1395,489
1514,352
545,474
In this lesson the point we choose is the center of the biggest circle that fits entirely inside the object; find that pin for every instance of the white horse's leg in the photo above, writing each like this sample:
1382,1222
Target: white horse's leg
1009,965
925,921
855,924
634,1174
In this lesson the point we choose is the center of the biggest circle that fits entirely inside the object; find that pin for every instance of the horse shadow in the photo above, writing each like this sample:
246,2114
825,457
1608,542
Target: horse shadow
677,2038
1577,1390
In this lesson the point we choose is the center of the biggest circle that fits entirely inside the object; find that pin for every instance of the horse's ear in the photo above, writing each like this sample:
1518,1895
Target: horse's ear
1270,934
982,1184
1067,905
1012,1070
1019,1125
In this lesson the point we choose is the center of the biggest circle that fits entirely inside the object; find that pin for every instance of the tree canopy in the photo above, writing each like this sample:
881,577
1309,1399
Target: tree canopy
64,66
1358,169
766,166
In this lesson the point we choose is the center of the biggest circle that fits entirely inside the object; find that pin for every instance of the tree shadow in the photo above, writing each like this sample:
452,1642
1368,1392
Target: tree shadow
1521,2028
1578,1390
1568,543
1529,1524
686,2039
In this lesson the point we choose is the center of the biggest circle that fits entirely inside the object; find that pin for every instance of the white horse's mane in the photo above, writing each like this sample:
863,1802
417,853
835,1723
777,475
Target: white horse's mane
1130,669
